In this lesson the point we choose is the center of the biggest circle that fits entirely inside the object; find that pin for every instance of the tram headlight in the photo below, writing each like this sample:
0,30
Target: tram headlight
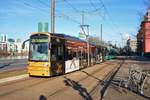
45,65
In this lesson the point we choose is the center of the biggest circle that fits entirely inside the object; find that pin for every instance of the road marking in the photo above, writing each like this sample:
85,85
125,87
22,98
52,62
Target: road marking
13,78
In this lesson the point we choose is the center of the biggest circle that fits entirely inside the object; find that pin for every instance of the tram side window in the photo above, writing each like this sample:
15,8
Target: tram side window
70,54
80,55
53,53
57,52
84,55
60,52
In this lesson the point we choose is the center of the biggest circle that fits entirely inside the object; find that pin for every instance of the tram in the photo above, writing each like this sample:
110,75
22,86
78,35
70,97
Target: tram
56,54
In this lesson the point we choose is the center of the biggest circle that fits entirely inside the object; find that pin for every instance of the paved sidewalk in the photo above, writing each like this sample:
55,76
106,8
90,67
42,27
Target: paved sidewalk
117,91
13,78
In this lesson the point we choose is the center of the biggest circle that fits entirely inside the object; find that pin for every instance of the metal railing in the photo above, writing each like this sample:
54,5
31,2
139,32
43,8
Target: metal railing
137,79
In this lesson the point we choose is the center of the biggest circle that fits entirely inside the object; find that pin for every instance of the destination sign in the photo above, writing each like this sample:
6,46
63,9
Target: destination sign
39,40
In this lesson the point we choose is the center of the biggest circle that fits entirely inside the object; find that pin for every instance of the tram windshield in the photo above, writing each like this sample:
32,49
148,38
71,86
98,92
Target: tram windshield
38,48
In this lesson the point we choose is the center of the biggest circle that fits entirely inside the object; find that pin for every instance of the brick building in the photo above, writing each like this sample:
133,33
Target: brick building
143,36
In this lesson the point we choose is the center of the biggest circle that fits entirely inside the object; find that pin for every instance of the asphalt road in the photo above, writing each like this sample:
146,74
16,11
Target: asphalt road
9,65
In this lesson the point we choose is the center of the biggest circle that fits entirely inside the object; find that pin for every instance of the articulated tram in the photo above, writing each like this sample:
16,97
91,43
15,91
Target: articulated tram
56,54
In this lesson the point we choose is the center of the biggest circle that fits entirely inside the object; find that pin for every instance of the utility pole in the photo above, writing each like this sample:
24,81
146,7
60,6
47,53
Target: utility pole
88,45
87,39
83,26
101,33
82,18
52,16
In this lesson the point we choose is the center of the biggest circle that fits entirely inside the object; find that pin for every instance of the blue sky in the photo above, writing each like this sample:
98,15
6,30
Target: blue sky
20,17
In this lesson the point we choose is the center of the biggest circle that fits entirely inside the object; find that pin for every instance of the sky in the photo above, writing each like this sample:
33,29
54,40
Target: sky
18,18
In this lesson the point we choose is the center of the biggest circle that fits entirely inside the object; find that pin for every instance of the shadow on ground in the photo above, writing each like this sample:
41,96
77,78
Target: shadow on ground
100,81
5,65
42,97
109,81
78,87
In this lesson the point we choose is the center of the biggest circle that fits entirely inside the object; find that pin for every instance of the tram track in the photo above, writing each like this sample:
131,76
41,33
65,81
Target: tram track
64,88
34,81
37,78
80,80
107,80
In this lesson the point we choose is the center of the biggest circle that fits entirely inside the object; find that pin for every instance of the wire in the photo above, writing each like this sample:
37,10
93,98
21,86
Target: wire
31,6
71,6
69,18
61,14
112,22
41,1
95,9
92,4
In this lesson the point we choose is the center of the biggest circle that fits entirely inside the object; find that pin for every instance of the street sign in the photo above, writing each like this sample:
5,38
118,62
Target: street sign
82,36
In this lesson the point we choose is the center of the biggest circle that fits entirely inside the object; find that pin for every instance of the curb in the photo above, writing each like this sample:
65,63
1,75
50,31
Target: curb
13,78
13,57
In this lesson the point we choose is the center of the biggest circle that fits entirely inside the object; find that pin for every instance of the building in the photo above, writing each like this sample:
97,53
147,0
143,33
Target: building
132,44
3,45
143,36
3,38
18,43
42,27
12,47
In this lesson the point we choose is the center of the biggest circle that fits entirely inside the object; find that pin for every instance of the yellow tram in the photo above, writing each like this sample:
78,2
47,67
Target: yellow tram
56,54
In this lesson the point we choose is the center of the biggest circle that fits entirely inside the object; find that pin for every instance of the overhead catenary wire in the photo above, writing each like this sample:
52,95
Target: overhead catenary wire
71,6
100,8
67,17
94,6
95,9
77,10
27,4
108,14
81,11
41,1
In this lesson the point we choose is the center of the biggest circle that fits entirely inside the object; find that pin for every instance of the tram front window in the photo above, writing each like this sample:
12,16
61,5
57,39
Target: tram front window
39,49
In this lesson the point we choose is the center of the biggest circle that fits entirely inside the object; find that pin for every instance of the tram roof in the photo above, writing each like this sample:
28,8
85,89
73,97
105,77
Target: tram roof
76,39
68,37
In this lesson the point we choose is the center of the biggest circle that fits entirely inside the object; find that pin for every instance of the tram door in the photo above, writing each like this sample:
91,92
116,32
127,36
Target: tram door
57,56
